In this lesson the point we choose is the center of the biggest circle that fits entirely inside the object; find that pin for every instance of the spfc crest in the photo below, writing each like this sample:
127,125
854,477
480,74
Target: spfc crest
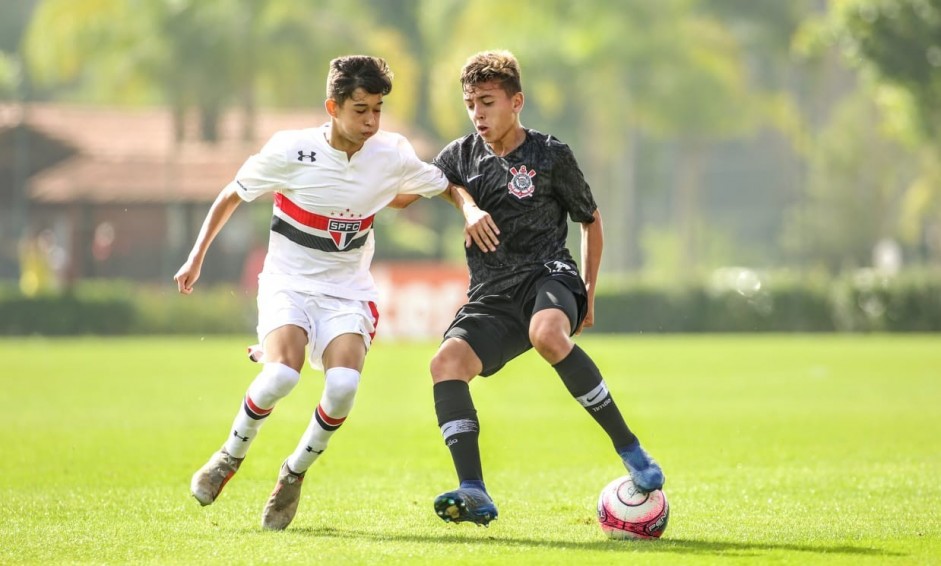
521,185
343,230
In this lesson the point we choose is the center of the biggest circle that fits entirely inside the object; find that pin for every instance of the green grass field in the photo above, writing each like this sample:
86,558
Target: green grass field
777,450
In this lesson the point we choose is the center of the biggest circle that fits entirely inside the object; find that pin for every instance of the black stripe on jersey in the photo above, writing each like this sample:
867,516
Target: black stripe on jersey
309,240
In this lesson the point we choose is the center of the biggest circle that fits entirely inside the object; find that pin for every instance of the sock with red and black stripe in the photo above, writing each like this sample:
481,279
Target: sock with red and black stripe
335,405
272,384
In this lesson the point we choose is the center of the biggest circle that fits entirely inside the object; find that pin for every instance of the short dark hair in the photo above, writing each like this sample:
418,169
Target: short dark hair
351,72
487,66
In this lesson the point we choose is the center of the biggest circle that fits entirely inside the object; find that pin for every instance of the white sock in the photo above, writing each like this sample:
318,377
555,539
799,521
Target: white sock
270,386
338,394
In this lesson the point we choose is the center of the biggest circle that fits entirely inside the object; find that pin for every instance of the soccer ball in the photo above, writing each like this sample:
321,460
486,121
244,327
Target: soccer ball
624,512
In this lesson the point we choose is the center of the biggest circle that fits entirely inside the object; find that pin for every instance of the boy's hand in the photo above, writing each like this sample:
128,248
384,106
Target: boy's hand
480,229
186,277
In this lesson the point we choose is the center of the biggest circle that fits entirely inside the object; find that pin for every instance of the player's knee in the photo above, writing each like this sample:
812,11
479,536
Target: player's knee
342,383
439,365
550,342
280,379
449,365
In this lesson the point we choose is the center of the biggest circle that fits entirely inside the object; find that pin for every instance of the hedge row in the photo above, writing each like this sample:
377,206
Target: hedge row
863,302
126,308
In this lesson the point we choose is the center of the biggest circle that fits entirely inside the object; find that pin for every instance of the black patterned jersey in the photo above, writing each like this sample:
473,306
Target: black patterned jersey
528,193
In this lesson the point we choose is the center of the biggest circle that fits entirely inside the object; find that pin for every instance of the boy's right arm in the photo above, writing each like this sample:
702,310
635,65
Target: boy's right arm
219,213
479,227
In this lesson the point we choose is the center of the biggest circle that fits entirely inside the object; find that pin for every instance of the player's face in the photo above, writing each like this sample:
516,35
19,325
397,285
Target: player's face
356,120
494,113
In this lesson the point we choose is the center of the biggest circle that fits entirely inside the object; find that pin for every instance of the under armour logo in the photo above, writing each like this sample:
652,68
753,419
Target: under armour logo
235,433
311,449
301,156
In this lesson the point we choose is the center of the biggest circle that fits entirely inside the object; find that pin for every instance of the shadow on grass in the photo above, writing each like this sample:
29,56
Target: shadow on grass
679,546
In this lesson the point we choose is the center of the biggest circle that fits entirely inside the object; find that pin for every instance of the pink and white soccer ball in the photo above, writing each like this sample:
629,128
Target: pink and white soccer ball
625,512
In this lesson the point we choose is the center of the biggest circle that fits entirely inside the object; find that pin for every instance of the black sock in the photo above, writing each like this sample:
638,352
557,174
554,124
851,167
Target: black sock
583,380
459,427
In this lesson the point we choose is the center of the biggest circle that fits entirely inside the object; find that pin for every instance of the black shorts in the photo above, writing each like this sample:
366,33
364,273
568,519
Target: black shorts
497,326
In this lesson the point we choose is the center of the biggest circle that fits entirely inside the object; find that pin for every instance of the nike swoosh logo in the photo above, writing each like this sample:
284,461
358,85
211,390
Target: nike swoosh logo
591,399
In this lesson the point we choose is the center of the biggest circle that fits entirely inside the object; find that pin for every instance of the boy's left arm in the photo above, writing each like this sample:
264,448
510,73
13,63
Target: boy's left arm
592,244
403,200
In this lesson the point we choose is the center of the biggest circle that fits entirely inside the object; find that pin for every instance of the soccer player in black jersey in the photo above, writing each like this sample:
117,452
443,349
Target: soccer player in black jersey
525,292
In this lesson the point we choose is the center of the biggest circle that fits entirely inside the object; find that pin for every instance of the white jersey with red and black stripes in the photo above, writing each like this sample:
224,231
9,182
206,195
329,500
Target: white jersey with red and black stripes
321,237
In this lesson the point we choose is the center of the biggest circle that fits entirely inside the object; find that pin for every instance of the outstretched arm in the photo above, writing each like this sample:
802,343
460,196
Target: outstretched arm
592,244
479,227
219,213
401,201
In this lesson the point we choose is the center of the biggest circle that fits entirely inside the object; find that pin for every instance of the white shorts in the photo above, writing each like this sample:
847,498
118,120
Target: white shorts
321,316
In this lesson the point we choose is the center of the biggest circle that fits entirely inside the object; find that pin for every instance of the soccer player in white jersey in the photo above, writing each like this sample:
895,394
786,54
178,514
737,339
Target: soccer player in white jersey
315,289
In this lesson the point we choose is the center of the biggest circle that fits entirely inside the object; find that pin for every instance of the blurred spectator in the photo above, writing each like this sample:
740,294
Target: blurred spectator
43,263
103,242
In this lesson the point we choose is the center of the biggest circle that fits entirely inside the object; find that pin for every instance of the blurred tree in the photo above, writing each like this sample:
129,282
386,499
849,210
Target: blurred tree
15,16
857,182
599,74
708,99
899,43
419,26
897,47
191,54
765,31
415,30
9,76
619,80
14,20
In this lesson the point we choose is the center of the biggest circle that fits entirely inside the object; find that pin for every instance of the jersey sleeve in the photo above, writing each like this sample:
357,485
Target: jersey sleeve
447,161
572,188
264,172
418,177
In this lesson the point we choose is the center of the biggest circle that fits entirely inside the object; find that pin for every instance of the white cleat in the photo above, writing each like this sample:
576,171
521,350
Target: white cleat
282,503
209,480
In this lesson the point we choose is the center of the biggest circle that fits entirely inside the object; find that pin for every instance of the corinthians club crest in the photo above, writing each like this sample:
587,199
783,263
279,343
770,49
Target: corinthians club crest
521,185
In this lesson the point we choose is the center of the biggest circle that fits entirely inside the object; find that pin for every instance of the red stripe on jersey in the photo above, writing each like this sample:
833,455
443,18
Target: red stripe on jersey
328,419
375,318
311,219
255,408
